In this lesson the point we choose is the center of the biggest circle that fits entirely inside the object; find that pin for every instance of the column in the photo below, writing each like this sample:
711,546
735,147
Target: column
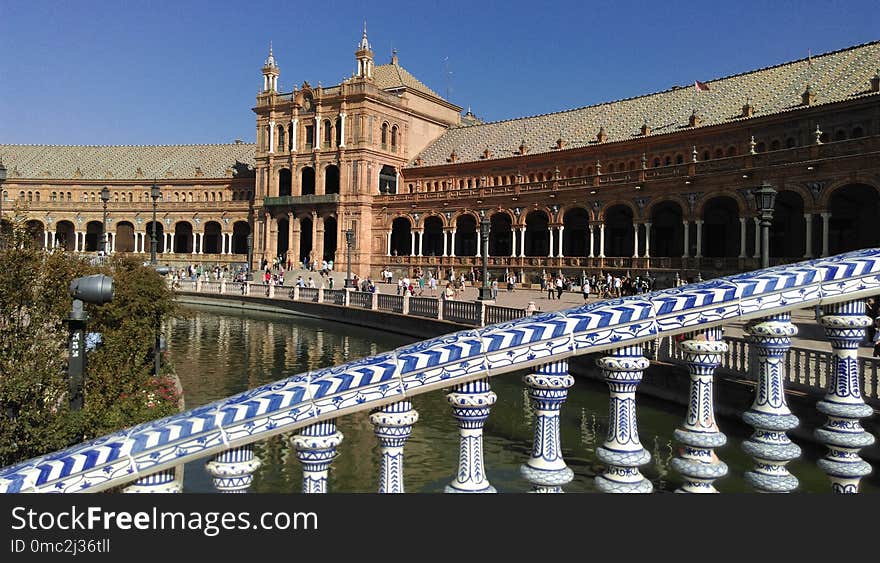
393,425
316,450
452,243
293,127
757,237
445,237
592,241
46,240
421,241
201,243
53,238
769,413
825,217
647,240
622,452
550,230
233,470
229,244
635,240
602,240
808,235
317,139
561,229
687,242
412,243
266,233
522,242
699,253
164,481
222,242
319,241
112,242
844,325
271,136
389,243
697,461
295,242
742,237
548,388
171,242
342,126
471,403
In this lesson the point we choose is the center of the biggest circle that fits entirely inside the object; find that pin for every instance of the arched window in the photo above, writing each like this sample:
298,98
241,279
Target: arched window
69,196
394,139
37,196
384,135
327,135
281,144
706,155
667,161
30,196
857,132
54,195
339,132
21,196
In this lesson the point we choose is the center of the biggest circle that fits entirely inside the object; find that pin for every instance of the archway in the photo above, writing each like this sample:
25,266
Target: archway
307,181
285,181
183,238
240,231
401,239
93,236
283,241
619,231
331,179
212,243
388,180
500,235
65,235
537,234
125,236
160,238
305,239
575,236
432,245
667,230
330,238
853,225
721,227
466,236
788,229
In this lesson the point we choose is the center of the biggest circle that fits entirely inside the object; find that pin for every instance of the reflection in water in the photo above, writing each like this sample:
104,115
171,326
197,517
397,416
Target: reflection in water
219,352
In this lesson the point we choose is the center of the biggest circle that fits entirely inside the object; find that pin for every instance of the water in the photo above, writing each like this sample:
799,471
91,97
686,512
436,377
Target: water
220,352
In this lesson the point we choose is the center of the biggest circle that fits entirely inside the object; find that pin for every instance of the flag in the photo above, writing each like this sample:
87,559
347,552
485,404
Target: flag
700,87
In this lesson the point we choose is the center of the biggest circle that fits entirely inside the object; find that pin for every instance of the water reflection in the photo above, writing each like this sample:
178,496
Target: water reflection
219,352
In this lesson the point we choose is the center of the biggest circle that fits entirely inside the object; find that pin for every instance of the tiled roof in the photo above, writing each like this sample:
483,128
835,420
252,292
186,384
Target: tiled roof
833,77
128,162
393,76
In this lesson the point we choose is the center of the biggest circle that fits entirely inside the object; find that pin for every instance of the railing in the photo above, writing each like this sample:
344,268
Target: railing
424,307
335,296
393,303
361,299
465,312
144,457
496,314
308,294
301,199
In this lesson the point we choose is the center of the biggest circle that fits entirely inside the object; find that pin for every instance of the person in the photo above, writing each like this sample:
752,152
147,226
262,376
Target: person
551,289
559,288
448,293
330,281
495,289
433,286
585,289
311,282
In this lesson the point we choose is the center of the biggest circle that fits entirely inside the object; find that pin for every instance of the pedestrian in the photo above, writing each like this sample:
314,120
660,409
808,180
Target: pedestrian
585,289
559,288
495,289
551,289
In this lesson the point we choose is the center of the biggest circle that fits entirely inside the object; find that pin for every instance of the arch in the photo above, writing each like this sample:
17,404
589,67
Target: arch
35,228
853,225
331,179
575,236
500,234
93,236
306,244
618,219
432,233
282,240
307,181
240,232
125,236
160,238
466,236
384,134
183,237
604,212
394,133
65,235
401,239
721,227
667,228
788,226
387,180
331,230
211,238
537,234
285,182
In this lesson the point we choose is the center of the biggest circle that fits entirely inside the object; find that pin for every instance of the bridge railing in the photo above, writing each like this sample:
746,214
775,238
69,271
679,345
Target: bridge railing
143,458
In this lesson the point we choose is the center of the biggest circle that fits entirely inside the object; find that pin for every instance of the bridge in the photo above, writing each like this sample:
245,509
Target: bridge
143,458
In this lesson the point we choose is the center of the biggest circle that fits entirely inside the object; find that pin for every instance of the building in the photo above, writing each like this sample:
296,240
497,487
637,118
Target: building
658,182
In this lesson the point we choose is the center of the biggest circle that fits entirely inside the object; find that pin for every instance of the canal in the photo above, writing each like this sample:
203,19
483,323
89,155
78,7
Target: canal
220,352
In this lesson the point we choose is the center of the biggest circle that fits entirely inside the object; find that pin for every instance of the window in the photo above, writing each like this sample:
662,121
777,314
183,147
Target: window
394,138
384,135
760,147
706,155
327,137
54,194
857,132
310,136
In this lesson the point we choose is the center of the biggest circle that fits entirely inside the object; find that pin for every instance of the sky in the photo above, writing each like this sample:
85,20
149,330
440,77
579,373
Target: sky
120,72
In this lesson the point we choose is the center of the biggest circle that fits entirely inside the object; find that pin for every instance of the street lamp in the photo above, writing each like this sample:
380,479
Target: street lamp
105,197
250,242
2,179
485,288
154,195
765,199
349,240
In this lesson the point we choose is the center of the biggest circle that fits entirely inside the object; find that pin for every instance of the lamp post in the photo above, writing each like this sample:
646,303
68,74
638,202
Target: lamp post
154,195
349,240
2,179
765,199
485,288
250,243
105,197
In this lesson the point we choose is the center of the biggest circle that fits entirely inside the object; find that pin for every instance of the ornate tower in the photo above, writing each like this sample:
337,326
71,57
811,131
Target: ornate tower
270,73
364,57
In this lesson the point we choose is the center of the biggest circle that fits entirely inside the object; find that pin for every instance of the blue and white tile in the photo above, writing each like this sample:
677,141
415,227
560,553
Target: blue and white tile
372,379
612,321
90,479
696,304
527,341
291,396
151,435
438,362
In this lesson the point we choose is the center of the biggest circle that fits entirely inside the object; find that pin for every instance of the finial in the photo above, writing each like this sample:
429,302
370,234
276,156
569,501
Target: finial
364,43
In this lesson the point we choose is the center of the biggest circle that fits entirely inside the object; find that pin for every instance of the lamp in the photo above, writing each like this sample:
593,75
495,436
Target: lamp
2,179
349,240
765,200
485,226
105,197
154,195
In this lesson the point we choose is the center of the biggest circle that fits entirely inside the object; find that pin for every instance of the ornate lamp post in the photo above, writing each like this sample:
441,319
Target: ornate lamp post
485,288
765,199
349,240
250,243
105,197
2,179
154,195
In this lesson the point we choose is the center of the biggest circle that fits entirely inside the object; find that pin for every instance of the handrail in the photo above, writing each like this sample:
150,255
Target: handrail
468,355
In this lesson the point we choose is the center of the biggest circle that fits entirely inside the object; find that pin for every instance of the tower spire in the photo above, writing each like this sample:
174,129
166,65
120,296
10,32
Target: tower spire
270,72
364,56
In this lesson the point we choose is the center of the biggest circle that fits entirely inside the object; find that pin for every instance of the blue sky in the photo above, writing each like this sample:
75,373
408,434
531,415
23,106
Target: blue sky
165,72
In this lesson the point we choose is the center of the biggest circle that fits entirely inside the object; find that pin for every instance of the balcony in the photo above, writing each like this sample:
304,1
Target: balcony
288,200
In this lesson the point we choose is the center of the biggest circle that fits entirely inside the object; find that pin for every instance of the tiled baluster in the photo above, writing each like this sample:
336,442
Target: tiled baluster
700,434
769,413
622,451
471,403
316,450
393,424
548,388
164,481
844,325
233,470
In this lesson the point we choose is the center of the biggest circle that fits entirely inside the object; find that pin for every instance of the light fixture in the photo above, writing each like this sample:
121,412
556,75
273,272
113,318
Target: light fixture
809,167
638,187
745,176
592,192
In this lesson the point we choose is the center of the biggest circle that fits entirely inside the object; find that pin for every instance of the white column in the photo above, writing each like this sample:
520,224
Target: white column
271,136
742,237
808,249
825,217
522,242
201,243
293,126
452,247
412,243
222,243
342,127
112,242
647,240
602,240
757,238
46,240
51,239
561,229
635,240
76,241
592,242
699,253
445,236
229,244
137,242
194,238
550,229
687,239
389,243
317,132
171,242
421,241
